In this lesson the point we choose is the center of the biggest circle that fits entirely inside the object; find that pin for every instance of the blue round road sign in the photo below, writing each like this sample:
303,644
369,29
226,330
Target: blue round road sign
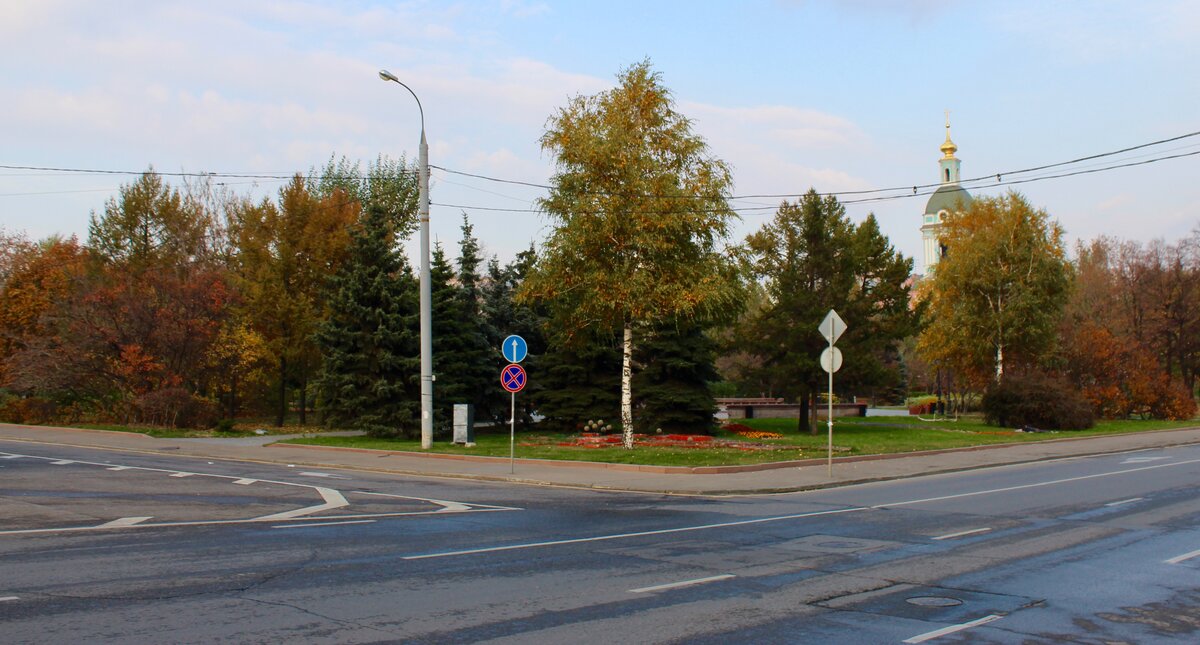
514,349
512,378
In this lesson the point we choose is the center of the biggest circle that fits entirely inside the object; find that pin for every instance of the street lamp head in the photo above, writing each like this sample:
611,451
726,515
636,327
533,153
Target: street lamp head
388,76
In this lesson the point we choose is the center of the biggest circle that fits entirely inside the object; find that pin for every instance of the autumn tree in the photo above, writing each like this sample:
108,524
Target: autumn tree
285,255
1126,329
997,295
640,213
36,279
389,184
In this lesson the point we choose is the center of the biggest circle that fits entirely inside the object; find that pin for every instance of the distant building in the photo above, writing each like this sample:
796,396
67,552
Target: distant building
948,198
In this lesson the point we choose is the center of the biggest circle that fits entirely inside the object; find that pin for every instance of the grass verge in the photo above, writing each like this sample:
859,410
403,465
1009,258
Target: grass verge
852,436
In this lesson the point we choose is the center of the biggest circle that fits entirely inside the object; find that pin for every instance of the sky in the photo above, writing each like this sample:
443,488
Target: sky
793,94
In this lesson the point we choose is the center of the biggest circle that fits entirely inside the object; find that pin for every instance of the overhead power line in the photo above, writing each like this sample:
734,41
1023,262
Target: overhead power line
902,192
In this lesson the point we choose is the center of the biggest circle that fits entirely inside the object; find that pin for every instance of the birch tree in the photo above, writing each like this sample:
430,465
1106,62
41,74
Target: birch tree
999,292
640,214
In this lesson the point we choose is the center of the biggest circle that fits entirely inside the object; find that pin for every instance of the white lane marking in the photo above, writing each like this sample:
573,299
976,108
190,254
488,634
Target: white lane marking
621,536
1034,485
78,529
333,499
685,583
10,457
124,521
304,526
120,468
449,506
61,462
1141,460
245,482
951,536
326,475
1125,501
953,628
1180,558
8,598
182,474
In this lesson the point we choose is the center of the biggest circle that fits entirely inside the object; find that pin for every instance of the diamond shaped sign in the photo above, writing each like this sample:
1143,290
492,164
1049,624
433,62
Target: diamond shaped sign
832,327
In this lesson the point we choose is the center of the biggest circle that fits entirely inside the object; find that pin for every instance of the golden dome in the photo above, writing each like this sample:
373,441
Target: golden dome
948,148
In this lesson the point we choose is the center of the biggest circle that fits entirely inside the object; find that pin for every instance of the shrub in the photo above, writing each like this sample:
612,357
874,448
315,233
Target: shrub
1039,400
31,411
175,407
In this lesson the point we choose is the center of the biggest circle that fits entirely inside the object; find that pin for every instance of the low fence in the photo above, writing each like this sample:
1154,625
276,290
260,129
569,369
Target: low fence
766,408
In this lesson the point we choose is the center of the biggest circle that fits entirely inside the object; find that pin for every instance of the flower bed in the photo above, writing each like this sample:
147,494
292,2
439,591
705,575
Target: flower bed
593,440
749,433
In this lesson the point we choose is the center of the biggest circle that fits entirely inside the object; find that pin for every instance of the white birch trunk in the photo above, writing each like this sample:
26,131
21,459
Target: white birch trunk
627,385
999,361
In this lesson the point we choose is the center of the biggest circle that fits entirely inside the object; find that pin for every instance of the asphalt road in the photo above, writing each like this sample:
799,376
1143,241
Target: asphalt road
108,547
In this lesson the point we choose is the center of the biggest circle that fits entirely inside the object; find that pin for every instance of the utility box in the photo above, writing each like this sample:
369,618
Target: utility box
464,424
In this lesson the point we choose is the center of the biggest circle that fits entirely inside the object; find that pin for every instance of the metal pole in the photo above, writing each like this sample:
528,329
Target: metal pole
426,303
829,419
512,435
426,300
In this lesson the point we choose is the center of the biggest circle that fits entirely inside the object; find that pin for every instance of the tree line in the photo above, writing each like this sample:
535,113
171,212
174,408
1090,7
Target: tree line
189,304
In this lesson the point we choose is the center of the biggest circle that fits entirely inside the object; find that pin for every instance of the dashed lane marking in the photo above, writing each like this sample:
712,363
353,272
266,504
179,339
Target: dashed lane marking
325,475
685,583
937,633
124,521
447,507
1125,501
951,536
182,474
1142,460
245,482
8,598
120,468
61,462
1180,558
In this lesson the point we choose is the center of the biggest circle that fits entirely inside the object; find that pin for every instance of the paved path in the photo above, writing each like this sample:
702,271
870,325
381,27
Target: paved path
806,475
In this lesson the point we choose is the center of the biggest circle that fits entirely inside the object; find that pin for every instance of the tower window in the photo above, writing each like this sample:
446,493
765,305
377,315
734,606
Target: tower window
947,174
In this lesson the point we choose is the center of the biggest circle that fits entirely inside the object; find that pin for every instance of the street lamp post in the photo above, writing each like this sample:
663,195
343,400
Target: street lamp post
426,294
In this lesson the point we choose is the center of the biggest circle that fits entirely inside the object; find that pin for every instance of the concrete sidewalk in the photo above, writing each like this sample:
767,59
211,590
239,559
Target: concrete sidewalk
792,476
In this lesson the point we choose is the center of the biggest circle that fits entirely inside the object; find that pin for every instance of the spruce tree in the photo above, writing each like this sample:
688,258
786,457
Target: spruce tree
503,316
370,343
459,346
477,357
581,382
673,384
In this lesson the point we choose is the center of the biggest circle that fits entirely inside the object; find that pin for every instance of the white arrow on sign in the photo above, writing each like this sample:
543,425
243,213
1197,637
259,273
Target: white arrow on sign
832,327
831,359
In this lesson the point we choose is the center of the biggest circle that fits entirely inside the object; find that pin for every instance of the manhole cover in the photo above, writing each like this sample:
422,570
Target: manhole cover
934,601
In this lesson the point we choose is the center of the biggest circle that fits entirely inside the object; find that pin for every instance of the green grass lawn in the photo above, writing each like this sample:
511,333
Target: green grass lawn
851,436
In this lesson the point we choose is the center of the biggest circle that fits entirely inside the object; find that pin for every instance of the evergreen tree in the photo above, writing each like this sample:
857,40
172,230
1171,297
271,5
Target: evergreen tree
504,316
673,384
811,258
459,346
370,379
581,382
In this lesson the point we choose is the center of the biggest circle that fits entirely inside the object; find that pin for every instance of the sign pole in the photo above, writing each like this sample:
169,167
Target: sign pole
830,402
512,436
